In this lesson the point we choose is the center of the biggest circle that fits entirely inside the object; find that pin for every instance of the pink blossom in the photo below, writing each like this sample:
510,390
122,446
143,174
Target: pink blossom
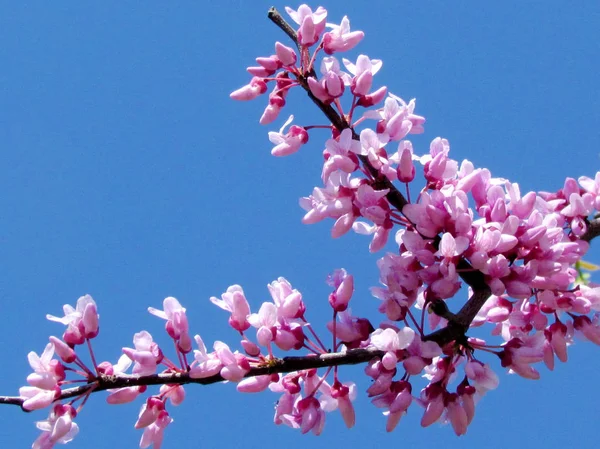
265,321
177,323
153,434
205,364
289,143
287,300
82,320
340,154
406,168
47,371
340,38
234,301
339,396
482,375
59,427
257,86
456,414
149,412
146,355
519,354
256,384
126,394
235,365
312,24
363,72
433,400
286,54
351,330
391,341
175,393
588,328
344,288
35,398
64,351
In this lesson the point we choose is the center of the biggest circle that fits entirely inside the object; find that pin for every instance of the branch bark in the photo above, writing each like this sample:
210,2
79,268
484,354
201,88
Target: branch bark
277,365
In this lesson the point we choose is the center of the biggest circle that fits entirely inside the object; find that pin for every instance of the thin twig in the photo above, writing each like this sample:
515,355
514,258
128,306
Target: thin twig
283,365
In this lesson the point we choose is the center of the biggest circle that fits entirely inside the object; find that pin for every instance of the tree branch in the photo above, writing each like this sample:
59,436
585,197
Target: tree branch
284,365
593,230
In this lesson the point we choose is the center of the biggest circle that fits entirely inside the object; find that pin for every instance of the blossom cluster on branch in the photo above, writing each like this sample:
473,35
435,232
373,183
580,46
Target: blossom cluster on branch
448,226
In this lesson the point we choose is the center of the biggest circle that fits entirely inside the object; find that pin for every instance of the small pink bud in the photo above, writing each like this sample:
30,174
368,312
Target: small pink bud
64,351
250,91
286,55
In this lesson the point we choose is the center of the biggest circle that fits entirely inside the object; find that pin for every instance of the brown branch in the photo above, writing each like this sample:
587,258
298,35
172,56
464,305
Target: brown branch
284,365
593,230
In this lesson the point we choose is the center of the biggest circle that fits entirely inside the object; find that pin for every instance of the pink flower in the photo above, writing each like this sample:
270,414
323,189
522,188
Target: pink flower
340,38
35,398
153,434
59,427
175,393
456,414
205,364
339,396
350,330
235,365
310,415
64,351
82,321
344,288
363,72
149,412
288,301
340,154
392,341
121,395
333,201
289,143
234,301
177,323
256,384
588,328
519,354
312,24
146,355
286,54
250,91
47,371
482,375
265,321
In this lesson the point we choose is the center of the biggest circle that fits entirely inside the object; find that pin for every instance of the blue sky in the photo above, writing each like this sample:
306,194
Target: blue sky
128,173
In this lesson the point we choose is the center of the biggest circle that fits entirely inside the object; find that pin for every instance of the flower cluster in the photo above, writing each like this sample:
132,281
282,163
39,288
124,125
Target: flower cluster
523,248
446,225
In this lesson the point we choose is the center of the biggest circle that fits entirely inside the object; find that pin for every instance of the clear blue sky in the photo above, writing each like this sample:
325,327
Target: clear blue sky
127,173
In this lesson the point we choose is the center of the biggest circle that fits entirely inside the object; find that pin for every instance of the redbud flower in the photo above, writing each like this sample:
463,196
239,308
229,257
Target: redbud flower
149,412
391,341
153,434
234,301
82,320
47,371
340,38
312,24
257,86
344,288
146,355
205,365
286,54
288,301
289,143
58,428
